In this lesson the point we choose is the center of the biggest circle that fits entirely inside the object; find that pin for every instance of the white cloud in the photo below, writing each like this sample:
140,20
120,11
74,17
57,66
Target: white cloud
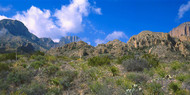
43,23
70,17
99,41
98,11
5,9
39,22
3,17
112,36
183,9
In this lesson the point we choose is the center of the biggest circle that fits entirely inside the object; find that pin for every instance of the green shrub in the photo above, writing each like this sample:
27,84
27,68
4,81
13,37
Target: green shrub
176,65
154,89
181,77
91,74
37,64
121,59
65,78
135,64
4,67
39,53
35,88
114,70
137,77
152,60
101,88
50,58
19,77
160,71
8,56
99,61
50,70
174,86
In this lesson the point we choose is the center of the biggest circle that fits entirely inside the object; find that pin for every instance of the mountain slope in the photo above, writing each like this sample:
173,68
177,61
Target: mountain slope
14,34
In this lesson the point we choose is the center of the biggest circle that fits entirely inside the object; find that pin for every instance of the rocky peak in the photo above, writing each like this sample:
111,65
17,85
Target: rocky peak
67,39
181,30
148,38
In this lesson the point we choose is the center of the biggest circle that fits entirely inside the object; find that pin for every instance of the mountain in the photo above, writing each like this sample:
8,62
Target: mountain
14,34
161,44
181,30
67,39
164,46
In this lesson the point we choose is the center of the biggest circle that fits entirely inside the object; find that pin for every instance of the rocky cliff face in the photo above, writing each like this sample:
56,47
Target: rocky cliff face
160,44
67,39
181,30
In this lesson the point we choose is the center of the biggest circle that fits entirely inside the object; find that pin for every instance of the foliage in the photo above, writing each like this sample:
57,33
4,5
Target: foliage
137,77
176,65
99,61
35,88
65,78
50,70
174,86
37,64
125,57
8,56
114,70
152,60
135,64
19,77
154,88
4,67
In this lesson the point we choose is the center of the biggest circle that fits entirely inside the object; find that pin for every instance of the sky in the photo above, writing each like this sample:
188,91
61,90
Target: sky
96,21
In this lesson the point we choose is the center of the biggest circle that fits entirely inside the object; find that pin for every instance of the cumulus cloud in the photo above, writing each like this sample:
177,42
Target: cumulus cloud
112,36
98,11
39,22
44,23
5,9
70,17
183,9
3,17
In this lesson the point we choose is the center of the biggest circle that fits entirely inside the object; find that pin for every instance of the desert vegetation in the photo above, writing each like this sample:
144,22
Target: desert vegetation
42,74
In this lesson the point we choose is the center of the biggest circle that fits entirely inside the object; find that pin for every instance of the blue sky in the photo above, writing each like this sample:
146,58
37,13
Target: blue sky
96,21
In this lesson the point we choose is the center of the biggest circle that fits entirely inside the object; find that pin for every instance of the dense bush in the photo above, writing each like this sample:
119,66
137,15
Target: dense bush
114,70
99,61
50,70
37,64
125,57
9,56
152,60
19,77
65,78
154,89
4,67
174,86
135,64
35,88
137,77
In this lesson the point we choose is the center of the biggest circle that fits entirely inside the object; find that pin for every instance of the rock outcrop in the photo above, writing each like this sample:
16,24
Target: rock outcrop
181,30
66,40
160,44
78,49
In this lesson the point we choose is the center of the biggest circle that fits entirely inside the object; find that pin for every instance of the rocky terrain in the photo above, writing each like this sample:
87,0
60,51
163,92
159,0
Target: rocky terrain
150,63
14,34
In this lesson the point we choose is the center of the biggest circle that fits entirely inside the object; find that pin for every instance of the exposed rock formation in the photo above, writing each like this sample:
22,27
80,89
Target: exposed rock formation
73,49
158,43
67,39
181,30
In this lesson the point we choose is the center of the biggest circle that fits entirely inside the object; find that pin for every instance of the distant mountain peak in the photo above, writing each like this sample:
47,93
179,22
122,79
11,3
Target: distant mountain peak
182,30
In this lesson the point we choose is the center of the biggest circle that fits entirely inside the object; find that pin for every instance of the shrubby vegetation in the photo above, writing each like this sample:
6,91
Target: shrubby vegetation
41,74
